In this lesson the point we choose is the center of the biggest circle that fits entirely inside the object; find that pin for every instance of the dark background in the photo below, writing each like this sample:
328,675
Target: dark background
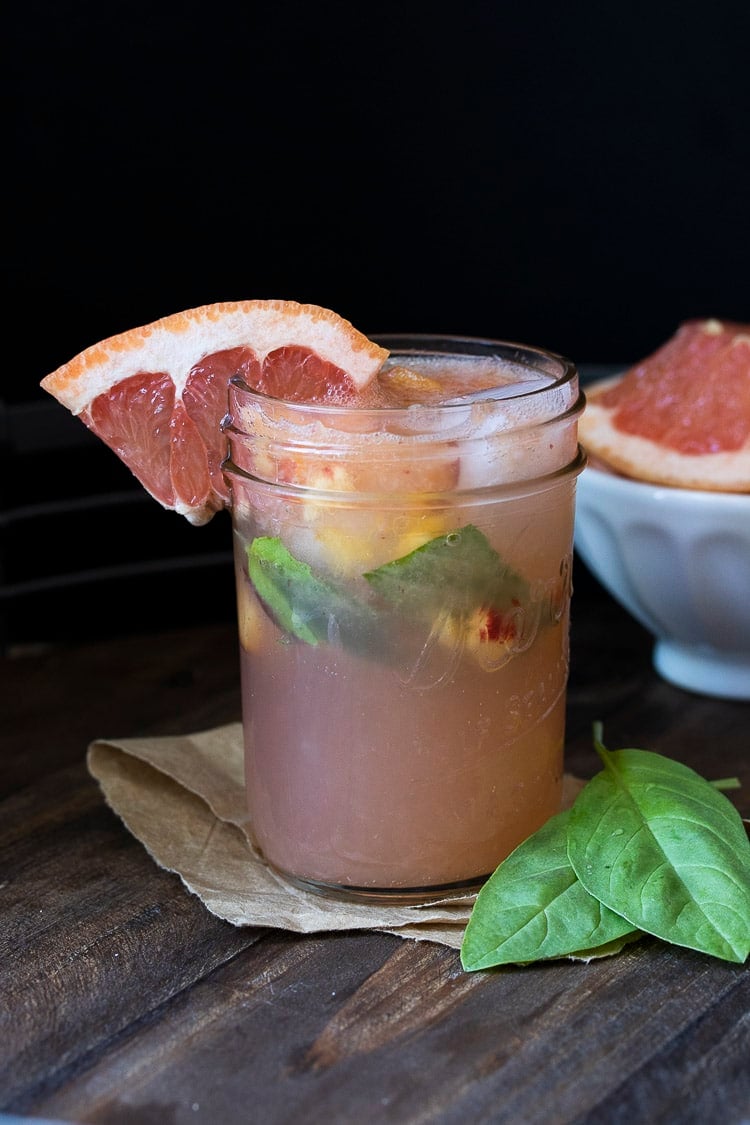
574,176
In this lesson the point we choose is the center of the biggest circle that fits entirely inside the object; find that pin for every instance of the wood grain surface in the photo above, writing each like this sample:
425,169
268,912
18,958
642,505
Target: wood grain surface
123,1001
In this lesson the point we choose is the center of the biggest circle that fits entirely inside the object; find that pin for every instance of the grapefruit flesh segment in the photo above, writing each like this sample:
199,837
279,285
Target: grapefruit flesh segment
134,419
299,375
205,402
679,397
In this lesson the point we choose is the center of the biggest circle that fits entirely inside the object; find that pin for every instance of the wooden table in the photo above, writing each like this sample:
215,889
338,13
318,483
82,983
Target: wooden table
123,1000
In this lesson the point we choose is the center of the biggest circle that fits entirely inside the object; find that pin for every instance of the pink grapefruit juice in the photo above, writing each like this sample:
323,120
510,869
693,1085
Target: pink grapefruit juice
403,583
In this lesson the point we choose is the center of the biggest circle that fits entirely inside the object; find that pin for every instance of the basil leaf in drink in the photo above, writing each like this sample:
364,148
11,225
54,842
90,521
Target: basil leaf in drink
533,907
457,573
278,577
303,604
660,845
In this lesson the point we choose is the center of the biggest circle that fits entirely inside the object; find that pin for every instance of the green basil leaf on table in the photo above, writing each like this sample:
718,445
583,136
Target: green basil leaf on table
649,847
657,843
534,907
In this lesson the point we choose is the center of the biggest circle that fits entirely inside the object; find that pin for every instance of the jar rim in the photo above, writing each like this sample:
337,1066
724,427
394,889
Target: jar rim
560,374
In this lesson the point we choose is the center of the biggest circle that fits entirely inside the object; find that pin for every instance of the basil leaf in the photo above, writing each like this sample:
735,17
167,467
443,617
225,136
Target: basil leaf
533,907
457,573
654,841
454,573
304,605
609,949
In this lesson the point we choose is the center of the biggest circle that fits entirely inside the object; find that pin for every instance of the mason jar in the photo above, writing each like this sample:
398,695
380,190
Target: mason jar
403,588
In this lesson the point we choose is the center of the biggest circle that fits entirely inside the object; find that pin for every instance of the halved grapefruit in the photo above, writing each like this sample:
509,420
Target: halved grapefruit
681,417
156,394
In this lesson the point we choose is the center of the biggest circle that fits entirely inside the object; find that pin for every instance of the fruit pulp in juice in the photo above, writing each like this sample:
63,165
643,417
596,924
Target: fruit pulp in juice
404,720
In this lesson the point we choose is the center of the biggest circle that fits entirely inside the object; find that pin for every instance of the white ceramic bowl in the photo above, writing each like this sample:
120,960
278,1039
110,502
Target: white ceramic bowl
679,561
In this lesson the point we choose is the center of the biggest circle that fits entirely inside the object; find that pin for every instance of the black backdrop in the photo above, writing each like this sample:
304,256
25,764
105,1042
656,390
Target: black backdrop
576,176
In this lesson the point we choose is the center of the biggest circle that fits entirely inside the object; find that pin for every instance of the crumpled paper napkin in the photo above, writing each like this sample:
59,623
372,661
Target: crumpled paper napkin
183,798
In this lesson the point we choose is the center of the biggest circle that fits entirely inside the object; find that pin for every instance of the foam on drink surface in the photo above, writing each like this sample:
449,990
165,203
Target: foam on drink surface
435,380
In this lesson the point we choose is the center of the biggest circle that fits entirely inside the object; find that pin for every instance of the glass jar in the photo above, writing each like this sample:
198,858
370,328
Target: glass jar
403,589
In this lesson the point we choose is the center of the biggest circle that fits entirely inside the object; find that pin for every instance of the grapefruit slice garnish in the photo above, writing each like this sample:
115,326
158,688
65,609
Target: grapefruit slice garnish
681,417
156,394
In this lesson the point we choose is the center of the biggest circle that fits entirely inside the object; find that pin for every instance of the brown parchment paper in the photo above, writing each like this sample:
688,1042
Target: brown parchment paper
183,798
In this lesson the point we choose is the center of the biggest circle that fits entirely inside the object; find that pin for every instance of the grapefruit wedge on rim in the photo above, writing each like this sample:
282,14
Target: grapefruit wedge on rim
156,394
